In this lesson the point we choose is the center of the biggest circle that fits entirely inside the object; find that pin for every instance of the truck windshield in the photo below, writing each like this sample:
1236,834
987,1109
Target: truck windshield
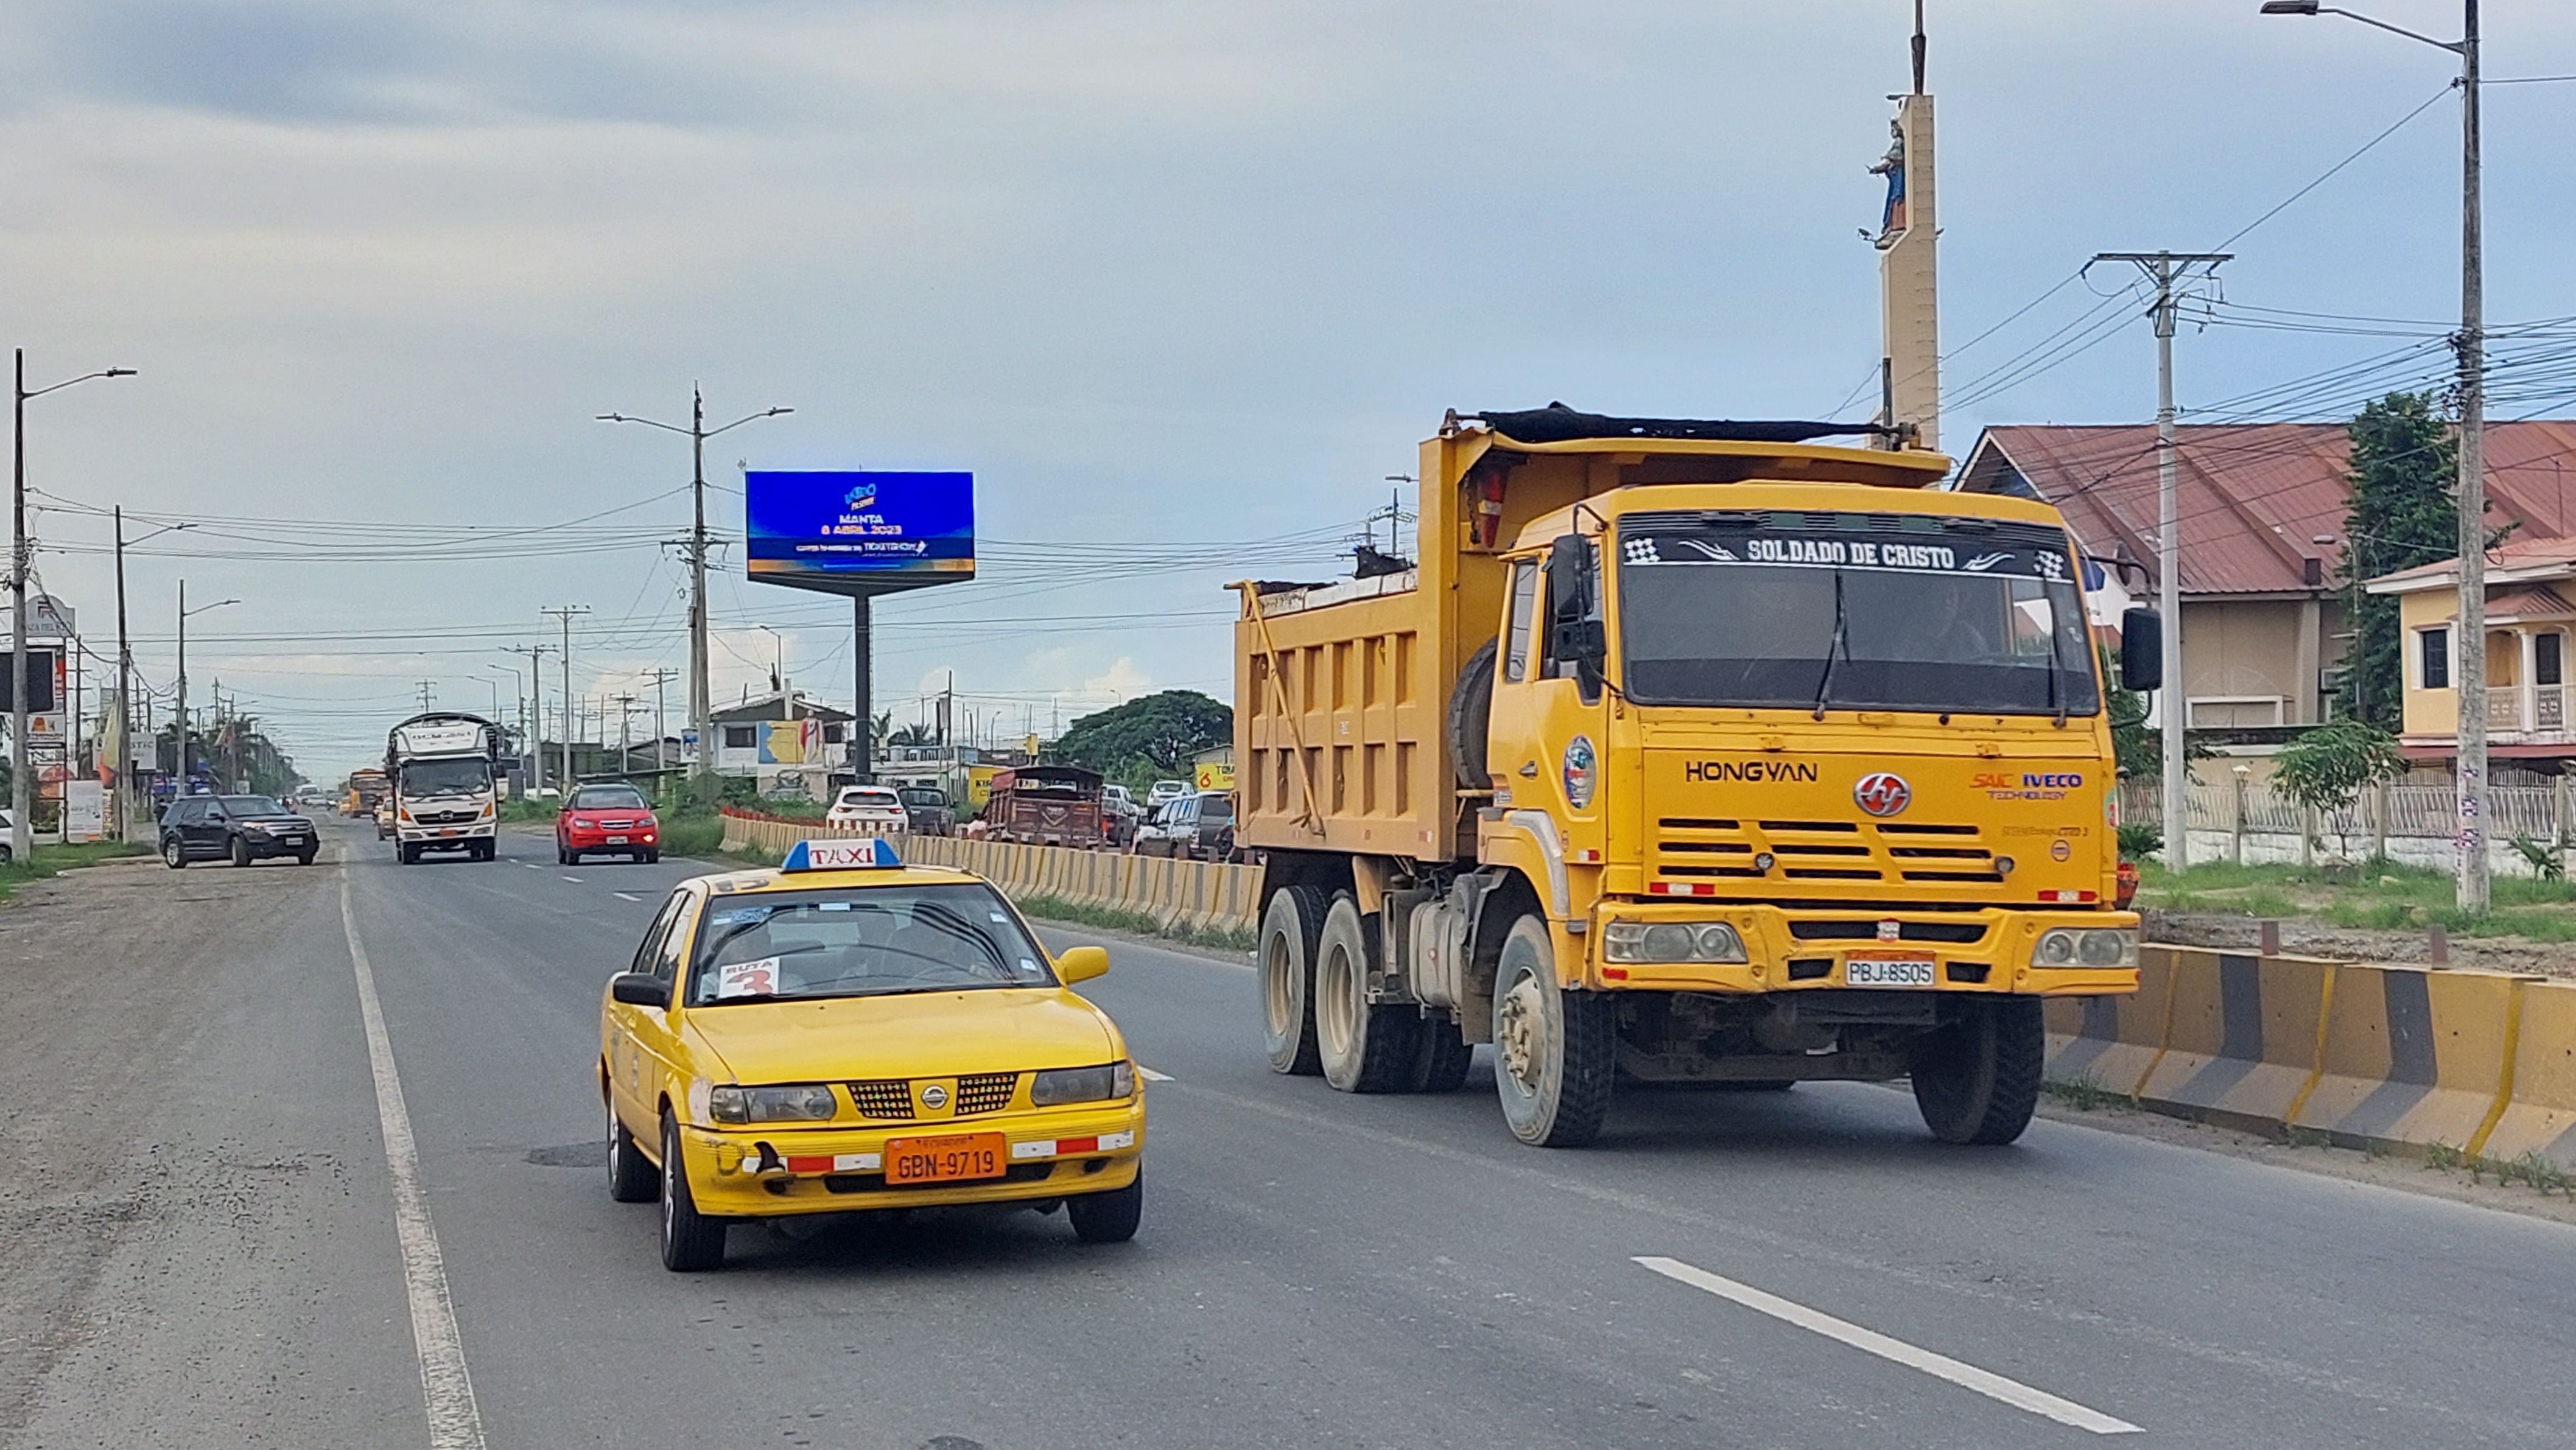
1852,611
446,777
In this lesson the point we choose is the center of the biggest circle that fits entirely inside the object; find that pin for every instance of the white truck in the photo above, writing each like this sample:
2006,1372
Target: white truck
441,766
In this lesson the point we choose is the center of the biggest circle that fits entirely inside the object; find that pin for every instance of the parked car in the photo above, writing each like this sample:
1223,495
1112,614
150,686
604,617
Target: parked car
241,828
385,819
1166,791
1119,816
610,819
873,808
1197,827
927,811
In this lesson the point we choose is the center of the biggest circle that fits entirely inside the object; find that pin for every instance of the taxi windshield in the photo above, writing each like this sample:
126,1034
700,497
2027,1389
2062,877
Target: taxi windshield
862,942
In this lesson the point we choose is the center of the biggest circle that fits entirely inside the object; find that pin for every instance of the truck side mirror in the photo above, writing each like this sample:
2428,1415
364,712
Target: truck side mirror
1573,638
2142,649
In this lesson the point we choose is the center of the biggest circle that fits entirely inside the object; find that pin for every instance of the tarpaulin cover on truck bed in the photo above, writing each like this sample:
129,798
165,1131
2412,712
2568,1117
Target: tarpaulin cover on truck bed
1557,423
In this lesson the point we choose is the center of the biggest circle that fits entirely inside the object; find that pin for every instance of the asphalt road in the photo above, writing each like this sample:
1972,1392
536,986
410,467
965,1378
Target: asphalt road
1315,1270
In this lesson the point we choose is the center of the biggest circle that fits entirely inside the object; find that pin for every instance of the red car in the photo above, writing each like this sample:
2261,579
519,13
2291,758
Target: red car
597,819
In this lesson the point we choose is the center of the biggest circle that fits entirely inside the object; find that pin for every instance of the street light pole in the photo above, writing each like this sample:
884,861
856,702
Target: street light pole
22,839
127,804
184,614
701,708
567,613
2469,651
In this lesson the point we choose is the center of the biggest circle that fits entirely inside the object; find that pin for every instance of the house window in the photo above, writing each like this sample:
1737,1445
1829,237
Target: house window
831,734
737,737
2547,665
2435,673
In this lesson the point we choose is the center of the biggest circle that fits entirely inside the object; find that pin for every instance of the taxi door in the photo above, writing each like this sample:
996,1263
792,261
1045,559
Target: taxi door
640,1039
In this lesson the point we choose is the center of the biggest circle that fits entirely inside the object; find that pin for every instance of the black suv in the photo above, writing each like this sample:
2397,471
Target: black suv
243,828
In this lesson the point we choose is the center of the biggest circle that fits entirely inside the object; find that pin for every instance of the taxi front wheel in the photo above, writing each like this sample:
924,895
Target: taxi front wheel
1108,1218
691,1241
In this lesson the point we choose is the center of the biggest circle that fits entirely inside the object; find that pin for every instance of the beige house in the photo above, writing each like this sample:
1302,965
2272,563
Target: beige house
2531,609
2261,507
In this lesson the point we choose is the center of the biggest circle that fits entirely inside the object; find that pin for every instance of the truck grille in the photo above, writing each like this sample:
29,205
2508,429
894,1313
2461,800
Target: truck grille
1696,847
444,818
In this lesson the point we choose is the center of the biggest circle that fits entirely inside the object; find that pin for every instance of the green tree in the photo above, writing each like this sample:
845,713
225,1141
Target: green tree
1160,732
2401,514
2326,769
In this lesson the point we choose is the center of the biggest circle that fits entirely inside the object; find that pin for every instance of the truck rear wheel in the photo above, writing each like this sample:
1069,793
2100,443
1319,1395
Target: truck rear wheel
1555,1051
1976,1079
1441,1057
1290,928
1364,1047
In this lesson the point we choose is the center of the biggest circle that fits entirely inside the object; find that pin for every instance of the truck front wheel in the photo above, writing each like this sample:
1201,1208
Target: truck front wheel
1365,1047
1555,1051
1290,928
1976,1078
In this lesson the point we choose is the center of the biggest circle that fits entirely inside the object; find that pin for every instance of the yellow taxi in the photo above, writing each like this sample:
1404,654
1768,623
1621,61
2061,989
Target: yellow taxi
848,1032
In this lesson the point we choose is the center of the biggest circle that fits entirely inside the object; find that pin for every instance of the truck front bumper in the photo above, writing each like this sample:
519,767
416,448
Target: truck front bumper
445,835
1986,950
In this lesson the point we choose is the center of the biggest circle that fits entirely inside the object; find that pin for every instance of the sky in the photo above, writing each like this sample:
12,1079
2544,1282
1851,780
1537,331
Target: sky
1181,283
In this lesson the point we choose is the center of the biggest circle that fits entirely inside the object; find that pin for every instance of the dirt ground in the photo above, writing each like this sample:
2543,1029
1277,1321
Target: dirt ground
2354,944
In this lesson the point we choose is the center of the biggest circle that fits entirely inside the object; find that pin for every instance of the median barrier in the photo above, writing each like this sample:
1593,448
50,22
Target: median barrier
2364,1055
1179,896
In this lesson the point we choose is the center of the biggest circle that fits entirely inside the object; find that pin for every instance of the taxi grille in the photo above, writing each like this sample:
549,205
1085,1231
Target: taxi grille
986,1092
891,1098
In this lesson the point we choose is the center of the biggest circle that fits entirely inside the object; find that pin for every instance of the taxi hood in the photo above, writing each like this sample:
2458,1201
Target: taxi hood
928,1034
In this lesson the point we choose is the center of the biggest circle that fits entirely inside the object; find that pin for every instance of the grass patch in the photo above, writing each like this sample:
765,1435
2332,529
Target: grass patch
49,861
695,833
1136,923
2083,1095
2385,897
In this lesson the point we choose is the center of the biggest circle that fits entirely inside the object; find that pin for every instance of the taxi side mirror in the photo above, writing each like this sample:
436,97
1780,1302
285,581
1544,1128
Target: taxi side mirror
1081,964
643,989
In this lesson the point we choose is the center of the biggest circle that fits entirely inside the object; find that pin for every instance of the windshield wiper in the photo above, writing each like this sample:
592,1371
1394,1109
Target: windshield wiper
1839,645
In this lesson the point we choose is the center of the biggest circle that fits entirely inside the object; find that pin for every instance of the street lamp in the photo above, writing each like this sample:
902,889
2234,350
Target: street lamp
778,668
126,804
185,613
22,838
2470,654
700,707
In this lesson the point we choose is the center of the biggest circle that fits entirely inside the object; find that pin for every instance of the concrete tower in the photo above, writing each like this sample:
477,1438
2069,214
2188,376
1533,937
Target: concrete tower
1908,267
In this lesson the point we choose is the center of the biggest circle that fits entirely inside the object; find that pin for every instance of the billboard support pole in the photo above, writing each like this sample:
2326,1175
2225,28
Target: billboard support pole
863,737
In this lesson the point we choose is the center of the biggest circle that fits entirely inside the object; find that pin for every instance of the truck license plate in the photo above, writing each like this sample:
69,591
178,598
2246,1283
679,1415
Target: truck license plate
1887,972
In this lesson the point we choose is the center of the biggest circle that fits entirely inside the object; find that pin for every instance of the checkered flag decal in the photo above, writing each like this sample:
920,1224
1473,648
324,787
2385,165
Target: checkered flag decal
1640,551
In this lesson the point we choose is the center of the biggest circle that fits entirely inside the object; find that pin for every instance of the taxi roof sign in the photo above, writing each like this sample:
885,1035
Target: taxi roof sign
863,854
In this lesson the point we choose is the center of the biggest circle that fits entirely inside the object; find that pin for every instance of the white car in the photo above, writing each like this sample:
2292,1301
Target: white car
872,808
1165,792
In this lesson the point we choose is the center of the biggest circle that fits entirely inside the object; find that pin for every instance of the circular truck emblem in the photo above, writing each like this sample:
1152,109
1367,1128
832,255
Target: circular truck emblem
1580,777
2059,850
1883,793
934,1096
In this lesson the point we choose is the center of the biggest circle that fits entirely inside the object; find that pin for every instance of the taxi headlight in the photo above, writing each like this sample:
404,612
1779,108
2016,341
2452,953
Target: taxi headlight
2099,946
1083,1084
807,1102
1671,941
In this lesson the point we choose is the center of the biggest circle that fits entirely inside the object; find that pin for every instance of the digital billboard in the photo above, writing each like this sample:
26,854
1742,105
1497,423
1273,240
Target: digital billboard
859,533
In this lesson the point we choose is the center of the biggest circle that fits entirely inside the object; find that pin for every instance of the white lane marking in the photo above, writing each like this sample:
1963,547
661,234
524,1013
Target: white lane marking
574,880
1994,1386
531,865
445,1388
626,896
1151,1075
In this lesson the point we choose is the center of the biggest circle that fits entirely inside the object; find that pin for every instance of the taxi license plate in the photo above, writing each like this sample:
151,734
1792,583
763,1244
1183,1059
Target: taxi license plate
1887,972
617,840
961,1158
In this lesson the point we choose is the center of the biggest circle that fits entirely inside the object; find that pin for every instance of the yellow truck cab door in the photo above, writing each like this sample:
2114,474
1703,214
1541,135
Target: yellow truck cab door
1549,713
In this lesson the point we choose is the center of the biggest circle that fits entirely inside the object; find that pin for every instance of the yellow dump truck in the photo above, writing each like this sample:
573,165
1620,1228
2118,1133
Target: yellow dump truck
1687,753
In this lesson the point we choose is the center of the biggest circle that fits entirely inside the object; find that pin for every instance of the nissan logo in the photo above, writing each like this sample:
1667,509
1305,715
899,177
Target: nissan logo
1883,793
934,1096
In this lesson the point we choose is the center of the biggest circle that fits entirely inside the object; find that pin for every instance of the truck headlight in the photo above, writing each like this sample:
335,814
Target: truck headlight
2088,946
1083,1084
807,1102
1671,941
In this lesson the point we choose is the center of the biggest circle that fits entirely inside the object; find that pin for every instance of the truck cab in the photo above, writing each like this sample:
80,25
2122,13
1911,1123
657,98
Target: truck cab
1762,761
441,768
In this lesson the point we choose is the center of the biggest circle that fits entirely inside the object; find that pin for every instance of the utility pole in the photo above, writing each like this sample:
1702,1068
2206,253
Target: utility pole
428,692
536,654
22,838
662,677
2173,701
701,708
2472,648
566,614
625,741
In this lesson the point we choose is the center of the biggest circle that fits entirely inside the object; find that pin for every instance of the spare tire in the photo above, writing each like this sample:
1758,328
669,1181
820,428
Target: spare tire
1471,710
